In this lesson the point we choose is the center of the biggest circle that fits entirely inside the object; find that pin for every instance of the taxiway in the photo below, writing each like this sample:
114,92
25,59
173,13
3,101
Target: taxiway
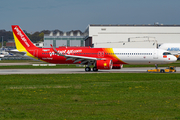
74,71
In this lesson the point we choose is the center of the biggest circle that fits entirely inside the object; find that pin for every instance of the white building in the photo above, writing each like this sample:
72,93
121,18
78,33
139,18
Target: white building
40,44
145,36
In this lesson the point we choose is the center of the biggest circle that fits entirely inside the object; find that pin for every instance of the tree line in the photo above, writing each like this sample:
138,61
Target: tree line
34,37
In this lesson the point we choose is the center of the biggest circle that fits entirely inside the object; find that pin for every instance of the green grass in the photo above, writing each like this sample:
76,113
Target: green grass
111,96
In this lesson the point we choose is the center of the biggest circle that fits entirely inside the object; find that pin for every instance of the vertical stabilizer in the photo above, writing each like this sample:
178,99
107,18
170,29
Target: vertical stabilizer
21,40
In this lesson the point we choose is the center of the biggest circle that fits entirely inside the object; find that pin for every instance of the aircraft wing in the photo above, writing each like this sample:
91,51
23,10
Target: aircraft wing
83,59
80,58
16,52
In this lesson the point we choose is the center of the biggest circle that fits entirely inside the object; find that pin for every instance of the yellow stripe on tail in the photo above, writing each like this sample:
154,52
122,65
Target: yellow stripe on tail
21,48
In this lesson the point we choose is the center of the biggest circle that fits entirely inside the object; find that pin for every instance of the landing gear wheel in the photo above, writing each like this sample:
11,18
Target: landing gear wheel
87,69
95,69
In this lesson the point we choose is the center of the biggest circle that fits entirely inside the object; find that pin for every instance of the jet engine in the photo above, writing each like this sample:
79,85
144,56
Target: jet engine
104,64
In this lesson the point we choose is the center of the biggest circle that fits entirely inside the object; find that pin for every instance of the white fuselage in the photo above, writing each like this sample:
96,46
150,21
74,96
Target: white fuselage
143,56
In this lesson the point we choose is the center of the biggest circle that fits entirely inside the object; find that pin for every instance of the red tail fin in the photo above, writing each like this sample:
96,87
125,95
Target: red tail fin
21,38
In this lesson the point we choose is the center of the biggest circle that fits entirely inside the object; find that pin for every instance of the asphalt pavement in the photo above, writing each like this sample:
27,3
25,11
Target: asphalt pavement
76,70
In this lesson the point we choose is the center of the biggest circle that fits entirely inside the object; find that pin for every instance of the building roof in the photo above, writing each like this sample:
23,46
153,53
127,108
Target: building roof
154,25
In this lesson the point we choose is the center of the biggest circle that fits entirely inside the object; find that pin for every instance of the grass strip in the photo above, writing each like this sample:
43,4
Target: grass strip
90,96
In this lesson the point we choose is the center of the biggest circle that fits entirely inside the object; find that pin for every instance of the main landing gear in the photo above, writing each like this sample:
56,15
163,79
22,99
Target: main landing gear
95,69
88,69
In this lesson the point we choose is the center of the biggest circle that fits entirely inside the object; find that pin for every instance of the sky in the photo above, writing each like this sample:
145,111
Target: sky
67,15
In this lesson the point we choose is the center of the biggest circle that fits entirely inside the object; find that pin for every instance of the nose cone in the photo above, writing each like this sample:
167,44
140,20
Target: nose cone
172,59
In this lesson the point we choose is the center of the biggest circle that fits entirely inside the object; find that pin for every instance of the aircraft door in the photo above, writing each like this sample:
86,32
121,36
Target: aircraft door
100,53
35,53
155,54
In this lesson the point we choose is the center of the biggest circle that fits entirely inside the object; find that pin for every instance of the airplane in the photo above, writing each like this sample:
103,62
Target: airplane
101,58
173,48
3,53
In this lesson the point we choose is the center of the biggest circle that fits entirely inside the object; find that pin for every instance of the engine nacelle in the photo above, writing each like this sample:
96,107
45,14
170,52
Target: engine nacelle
104,64
117,66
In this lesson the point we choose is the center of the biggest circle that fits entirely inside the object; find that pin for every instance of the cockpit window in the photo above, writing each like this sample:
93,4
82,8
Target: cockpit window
166,53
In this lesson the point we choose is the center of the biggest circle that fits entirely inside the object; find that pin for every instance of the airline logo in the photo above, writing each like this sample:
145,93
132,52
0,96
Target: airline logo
173,49
105,64
66,52
21,36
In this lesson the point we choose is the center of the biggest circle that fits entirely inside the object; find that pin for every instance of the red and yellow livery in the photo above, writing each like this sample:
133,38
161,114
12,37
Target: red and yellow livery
101,58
